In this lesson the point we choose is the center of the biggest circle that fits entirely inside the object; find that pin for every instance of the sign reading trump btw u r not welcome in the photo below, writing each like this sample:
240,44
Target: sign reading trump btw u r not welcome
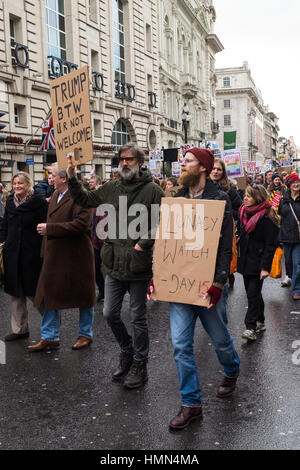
186,249
70,101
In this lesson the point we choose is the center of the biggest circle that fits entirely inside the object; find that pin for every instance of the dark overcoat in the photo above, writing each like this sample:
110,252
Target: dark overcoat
22,248
67,278
256,250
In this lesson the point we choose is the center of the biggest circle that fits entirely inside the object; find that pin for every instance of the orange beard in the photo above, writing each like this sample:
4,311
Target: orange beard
190,179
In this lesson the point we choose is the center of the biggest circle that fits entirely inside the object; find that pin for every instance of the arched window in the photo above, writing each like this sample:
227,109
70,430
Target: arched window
120,135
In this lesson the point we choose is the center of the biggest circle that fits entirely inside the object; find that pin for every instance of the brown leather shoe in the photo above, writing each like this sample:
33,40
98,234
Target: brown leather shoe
82,342
185,416
226,387
42,345
16,336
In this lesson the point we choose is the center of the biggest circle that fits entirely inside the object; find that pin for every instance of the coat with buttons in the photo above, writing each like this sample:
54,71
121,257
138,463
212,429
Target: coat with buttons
67,278
21,252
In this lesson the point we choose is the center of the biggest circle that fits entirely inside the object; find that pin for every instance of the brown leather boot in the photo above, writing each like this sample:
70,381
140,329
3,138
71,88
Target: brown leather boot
42,345
185,416
226,387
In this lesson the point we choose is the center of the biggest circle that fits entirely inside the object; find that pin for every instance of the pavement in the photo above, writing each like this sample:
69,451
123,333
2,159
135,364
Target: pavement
65,399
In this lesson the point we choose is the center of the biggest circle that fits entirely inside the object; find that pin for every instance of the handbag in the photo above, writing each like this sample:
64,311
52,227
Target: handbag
276,269
297,221
1,262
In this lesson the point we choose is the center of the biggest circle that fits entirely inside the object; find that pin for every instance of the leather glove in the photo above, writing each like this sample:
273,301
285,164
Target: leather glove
215,294
150,289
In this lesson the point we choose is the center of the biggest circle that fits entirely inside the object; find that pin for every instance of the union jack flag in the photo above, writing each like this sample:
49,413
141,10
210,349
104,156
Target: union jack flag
48,139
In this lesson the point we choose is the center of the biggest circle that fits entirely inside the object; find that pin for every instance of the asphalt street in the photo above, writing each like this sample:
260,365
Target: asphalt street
65,399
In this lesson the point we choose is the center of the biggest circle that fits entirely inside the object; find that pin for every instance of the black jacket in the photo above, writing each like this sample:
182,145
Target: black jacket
44,189
256,250
289,232
21,252
224,254
235,199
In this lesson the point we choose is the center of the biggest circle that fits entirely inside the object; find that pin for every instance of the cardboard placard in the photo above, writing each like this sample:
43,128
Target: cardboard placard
70,101
242,182
186,248
287,169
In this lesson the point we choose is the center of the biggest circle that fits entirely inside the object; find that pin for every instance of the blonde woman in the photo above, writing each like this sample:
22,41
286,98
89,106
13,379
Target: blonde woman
22,245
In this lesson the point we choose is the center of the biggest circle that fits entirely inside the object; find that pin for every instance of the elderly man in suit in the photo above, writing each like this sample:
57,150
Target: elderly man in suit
68,273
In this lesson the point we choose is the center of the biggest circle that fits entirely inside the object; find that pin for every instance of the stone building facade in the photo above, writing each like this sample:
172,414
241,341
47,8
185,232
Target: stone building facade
187,48
240,108
43,39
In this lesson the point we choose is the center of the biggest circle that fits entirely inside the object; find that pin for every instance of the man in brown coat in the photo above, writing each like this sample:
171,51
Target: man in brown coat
68,275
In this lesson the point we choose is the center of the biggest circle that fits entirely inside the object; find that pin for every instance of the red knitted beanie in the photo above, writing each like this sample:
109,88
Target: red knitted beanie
292,178
205,157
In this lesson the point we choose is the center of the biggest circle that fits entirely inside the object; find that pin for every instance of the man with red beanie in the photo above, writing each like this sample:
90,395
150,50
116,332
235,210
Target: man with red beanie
196,167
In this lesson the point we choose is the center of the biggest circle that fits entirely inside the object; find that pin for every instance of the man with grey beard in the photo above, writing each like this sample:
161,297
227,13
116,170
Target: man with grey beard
126,254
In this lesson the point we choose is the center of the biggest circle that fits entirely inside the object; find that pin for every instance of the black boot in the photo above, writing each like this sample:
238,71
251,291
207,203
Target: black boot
126,360
137,374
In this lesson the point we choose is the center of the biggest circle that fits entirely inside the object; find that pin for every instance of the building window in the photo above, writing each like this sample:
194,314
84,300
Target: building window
120,135
97,128
15,35
56,28
227,120
20,115
93,10
119,42
226,81
148,38
227,104
94,61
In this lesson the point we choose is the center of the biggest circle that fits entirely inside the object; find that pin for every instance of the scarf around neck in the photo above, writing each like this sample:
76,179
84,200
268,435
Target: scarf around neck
257,212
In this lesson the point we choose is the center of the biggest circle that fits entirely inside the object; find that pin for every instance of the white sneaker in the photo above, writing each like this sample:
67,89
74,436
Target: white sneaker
287,282
249,334
260,327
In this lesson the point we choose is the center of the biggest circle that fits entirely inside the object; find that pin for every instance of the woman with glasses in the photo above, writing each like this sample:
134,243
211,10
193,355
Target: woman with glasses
258,229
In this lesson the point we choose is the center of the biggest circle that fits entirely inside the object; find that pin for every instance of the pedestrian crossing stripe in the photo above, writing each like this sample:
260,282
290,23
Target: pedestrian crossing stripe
295,313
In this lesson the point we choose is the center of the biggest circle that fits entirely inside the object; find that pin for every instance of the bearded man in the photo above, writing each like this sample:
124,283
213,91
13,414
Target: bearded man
196,168
126,254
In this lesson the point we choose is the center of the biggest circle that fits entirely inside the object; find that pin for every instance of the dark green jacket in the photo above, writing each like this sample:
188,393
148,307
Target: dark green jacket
120,260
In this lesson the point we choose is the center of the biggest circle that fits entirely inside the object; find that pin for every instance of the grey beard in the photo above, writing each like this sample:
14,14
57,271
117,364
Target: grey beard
130,174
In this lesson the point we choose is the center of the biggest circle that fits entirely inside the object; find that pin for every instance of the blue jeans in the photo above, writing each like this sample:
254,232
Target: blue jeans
182,321
51,324
292,258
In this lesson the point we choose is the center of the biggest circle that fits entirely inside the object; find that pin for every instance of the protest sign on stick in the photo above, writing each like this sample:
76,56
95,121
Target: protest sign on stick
70,101
233,163
186,248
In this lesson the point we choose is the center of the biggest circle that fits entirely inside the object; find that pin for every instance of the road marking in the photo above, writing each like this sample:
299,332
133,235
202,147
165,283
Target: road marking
295,313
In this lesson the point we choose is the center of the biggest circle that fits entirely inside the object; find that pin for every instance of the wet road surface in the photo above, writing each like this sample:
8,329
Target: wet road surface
65,399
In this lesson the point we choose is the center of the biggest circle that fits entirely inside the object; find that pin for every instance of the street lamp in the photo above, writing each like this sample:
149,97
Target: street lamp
185,121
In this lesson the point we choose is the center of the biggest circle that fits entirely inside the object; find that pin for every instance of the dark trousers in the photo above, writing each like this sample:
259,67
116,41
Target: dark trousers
98,271
113,299
256,306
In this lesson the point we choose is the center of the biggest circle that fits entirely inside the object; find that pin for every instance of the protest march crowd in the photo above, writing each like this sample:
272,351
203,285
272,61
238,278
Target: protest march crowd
58,250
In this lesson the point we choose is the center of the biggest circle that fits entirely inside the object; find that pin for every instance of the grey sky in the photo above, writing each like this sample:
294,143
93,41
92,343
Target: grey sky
266,34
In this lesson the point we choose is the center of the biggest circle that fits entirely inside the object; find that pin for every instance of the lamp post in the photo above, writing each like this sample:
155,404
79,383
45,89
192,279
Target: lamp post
185,121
